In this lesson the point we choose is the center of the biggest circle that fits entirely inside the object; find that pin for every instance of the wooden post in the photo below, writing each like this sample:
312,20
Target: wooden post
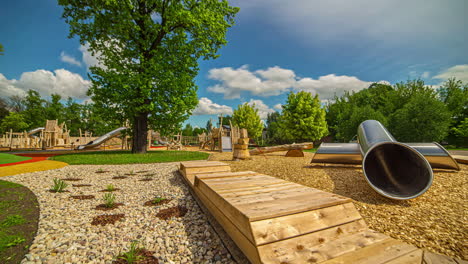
241,149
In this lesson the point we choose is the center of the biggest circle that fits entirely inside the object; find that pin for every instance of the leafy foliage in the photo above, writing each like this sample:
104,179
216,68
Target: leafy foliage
59,185
246,116
110,188
109,200
149,53
303,118
131,256
13,121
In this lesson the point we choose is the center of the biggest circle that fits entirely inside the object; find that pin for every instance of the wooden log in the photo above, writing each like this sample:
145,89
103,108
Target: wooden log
263,150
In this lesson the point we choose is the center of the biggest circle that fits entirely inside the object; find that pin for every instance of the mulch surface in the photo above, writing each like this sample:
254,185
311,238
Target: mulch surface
106,219
176,211
72,179
119,177
52,191
150,202
146,258
142,171
82,197
103,207
146,179
101,171
16,199
116,189
81,185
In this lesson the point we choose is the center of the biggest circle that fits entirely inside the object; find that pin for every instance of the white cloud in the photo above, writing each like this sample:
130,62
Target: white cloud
60,81
69,59
460,72
263,109
278,106
425,75
275,80
207,107
88,58
329,85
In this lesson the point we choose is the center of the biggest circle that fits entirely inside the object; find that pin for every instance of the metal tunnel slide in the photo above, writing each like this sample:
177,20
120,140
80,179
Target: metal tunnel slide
100,140
393,169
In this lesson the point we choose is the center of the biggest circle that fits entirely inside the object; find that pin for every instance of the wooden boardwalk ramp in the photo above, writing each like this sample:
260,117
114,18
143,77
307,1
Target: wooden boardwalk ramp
276,221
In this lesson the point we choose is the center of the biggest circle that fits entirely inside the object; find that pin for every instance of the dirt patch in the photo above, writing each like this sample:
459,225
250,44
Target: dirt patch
119,177
143,171
101,171
145,255
148,175
176,211
19,219
82,197
434,221
103,207
106,219
81,185
150,202
72,179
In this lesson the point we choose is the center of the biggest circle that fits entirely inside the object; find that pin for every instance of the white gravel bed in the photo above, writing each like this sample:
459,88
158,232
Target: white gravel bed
65,233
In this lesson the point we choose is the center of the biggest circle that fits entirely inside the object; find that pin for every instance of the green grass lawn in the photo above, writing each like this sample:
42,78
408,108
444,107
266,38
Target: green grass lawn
8,158
125,157
19,215
457,148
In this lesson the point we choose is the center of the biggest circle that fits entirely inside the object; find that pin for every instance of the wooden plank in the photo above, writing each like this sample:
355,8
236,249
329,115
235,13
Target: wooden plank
249,178
265,189
226,174
275,208
233,214
432,258
321,246
256,188
414,257
201,163
374,254
190,173
284,227
276,195
238,184
253,195
249,250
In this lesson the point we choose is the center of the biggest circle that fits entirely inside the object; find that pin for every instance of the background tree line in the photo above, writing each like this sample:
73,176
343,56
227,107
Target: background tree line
411,111
22,113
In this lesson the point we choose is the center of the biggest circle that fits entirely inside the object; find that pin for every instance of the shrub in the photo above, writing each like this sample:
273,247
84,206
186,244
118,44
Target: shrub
59,185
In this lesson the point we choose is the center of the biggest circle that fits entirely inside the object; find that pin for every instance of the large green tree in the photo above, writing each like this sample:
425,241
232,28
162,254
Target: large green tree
149,50
303,118
54,108
34,113
13,121
246,116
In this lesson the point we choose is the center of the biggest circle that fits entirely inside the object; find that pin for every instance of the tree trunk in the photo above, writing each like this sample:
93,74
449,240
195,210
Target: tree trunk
140,133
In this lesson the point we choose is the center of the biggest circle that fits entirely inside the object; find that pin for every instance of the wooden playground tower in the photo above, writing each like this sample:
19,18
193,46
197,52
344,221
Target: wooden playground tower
53,135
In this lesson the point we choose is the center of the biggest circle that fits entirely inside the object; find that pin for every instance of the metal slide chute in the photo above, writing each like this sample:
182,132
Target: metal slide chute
394,169
34,131
100,140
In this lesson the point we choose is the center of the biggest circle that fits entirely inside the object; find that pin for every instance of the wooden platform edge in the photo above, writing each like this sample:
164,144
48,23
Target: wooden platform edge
225,239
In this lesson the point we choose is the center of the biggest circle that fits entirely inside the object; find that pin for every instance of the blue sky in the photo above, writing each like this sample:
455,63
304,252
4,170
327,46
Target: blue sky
276,46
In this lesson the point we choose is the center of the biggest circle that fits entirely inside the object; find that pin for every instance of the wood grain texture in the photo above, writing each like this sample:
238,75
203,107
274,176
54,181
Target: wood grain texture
289,226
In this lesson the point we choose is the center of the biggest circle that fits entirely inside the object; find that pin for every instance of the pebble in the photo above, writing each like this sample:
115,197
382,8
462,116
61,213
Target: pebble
65,233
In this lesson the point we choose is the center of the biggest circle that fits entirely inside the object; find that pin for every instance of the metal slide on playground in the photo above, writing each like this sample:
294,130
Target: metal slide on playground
34,131
100,140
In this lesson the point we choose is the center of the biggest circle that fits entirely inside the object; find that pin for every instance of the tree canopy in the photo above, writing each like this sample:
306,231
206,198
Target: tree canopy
303,118
149,53
246,116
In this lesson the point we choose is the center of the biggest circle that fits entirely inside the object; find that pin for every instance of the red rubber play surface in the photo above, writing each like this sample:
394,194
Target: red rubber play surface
34,158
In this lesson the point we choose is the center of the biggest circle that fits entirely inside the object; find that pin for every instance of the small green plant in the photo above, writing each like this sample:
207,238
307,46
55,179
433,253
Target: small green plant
109,200
13,220
59,185
16,241
131,256
158,199
110,188
100,170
